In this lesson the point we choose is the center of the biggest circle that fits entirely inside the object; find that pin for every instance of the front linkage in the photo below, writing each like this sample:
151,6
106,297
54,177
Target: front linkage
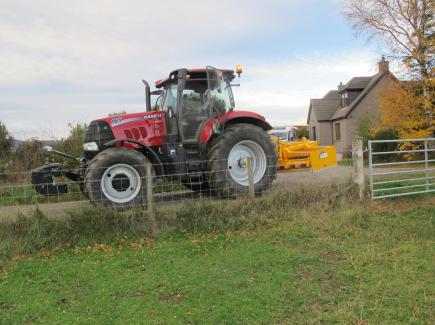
43,177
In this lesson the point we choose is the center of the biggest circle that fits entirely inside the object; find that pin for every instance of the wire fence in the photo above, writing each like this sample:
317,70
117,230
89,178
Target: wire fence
122,185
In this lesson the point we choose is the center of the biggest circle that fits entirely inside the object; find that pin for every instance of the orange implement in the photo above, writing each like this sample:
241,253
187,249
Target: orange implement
304,154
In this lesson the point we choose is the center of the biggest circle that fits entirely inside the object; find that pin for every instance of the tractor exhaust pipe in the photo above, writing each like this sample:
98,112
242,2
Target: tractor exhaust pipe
147,96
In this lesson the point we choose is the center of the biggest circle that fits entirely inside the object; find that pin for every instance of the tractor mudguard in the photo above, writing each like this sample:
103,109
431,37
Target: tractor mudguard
234,117
152,156
43,182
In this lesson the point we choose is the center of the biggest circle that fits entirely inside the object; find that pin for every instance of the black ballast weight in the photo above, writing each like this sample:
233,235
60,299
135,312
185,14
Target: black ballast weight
43,182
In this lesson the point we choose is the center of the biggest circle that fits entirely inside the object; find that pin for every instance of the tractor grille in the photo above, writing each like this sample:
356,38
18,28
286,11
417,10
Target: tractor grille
99,132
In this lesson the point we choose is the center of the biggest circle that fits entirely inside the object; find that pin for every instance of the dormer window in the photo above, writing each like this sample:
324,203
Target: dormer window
344,97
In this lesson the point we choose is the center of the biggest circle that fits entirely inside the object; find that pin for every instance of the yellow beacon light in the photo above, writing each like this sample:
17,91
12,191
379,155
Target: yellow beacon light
239,69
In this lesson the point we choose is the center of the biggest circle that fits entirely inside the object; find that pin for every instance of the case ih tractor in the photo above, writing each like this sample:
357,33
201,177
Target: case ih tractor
192,132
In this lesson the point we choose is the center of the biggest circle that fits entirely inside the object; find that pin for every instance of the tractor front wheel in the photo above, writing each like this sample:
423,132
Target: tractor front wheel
228,173
116,178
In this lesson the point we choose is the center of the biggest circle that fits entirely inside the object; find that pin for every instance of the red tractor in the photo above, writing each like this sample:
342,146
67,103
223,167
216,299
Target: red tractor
192,132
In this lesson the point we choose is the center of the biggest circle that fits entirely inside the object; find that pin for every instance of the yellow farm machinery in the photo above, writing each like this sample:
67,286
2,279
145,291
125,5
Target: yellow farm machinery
304,154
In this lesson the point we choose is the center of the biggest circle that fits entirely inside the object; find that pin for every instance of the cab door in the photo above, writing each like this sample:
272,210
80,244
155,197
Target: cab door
218,97
194,108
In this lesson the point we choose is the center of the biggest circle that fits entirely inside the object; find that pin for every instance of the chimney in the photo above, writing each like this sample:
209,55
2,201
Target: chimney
384,65
340,86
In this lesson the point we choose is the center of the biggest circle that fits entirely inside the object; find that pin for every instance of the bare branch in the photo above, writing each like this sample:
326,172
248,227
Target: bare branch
407,26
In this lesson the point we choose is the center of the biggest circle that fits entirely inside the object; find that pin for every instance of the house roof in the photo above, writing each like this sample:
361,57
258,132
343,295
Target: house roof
328,108
324,109
332,94
357,83
343,112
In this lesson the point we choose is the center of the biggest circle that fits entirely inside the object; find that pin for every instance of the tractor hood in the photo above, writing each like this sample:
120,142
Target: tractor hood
145,127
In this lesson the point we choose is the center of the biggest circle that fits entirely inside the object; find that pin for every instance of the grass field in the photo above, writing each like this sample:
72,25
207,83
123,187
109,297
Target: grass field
307,258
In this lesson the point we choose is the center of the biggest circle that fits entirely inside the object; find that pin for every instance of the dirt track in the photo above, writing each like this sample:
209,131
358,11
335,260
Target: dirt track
290,181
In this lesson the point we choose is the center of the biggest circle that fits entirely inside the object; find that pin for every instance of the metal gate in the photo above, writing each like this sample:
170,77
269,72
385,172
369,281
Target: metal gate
401,167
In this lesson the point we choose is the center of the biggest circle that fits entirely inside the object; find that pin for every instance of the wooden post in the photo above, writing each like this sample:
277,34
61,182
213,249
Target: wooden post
358,164
150,202
251,178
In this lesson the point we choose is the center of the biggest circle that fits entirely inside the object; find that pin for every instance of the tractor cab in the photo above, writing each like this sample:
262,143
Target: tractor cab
191,98
194,103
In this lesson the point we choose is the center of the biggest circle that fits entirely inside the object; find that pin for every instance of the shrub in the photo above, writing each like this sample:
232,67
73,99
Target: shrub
26,157
385,134
6,145
72,145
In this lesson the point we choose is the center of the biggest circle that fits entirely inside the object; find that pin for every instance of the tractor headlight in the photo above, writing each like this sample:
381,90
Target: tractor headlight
90,146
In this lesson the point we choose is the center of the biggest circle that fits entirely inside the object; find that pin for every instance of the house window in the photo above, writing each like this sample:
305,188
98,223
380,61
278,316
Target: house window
337,132
344,97
314,134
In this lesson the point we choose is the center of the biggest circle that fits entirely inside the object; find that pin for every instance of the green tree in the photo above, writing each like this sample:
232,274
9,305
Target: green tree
27,156
302,132
6,143
364,127
73,144
386,134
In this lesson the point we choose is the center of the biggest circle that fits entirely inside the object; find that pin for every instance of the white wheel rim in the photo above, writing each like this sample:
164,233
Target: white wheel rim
121,183
237,158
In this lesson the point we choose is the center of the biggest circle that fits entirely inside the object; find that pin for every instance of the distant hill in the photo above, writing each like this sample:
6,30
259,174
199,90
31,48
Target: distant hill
18,142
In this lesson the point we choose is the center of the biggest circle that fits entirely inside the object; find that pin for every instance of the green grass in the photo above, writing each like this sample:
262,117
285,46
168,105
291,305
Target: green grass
307,258
19,194
399,186
345,162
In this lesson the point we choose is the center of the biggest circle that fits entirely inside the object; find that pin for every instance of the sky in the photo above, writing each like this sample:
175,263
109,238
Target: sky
66,62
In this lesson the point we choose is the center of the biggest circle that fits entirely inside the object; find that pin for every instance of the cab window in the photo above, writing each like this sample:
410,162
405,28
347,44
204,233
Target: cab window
170,98
220,98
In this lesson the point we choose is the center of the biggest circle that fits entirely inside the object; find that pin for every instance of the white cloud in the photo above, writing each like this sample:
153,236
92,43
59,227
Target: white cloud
83,41
281,91
64,62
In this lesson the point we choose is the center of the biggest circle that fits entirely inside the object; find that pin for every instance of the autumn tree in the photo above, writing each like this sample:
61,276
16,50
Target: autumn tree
402,108
407,28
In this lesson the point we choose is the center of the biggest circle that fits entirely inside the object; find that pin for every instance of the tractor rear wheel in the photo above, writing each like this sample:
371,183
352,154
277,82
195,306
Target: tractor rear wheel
228,173
116,178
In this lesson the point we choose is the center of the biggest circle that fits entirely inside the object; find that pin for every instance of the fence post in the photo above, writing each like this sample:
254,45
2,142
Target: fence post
358,163
150,202
250,178
426,164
